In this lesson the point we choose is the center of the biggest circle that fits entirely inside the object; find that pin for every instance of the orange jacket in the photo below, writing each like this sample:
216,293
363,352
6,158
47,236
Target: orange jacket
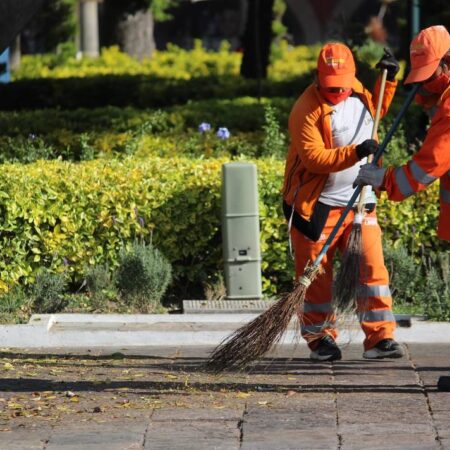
431,162
311,157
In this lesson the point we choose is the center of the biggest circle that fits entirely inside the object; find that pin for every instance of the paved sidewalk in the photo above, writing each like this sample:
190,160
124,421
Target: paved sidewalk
160,399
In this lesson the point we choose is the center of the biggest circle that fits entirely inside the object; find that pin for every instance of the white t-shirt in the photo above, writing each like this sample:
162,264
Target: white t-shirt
351,123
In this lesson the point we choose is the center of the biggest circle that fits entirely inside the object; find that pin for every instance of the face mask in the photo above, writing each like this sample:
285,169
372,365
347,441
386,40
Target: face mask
438,85
428,103
335,97
426,100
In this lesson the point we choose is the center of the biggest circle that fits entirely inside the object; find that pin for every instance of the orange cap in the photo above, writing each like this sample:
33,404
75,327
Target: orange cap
426,50
336,66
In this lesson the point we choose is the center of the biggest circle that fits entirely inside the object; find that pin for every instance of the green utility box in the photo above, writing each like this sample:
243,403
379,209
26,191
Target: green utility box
240,231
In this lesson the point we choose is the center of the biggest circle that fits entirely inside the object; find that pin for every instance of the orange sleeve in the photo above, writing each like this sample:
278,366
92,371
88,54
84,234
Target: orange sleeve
431,162
389,92
306,132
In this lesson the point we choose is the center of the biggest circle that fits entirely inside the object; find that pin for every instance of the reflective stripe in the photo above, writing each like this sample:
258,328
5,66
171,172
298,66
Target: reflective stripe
365,291
445,194
383,315
419,174
403,183
322,307
317,328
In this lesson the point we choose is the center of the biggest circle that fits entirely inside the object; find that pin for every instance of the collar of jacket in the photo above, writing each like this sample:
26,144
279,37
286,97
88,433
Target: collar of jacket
357,89
444,95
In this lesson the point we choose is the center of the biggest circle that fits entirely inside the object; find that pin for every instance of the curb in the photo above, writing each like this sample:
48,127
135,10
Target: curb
112,330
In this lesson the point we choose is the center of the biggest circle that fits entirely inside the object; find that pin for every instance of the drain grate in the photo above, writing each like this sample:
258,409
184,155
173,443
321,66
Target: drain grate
251,306
225,306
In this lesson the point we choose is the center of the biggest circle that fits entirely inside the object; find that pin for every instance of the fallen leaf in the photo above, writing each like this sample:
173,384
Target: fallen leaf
243,395
172,377
14,405
263,403
290,393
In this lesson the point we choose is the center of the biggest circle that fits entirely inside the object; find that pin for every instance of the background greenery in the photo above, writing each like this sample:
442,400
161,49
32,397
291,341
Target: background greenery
99,156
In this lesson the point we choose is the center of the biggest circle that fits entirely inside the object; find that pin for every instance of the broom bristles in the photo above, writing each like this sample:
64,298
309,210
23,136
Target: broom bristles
253,340
346,284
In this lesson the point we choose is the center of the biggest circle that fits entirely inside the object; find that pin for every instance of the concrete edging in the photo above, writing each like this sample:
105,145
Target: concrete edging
111,330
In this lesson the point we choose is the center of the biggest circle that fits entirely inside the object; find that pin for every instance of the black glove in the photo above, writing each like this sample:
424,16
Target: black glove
369,207
389,63
366,148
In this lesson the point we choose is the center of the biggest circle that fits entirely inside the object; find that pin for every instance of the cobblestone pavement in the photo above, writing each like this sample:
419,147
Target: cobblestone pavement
162,400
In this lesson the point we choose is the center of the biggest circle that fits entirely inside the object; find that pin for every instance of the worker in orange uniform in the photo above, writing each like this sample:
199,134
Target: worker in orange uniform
430,66
330,126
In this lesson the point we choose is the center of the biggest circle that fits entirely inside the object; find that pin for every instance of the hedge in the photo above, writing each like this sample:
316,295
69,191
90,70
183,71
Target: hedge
238,114
138,91
66,216
174,62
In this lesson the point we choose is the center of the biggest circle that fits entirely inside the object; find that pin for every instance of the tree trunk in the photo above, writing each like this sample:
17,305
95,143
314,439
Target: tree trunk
89,38
16,54
257,38
136,34
129,24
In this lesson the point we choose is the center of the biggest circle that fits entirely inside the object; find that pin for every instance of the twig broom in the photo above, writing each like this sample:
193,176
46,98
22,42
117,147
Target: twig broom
256,338
347,281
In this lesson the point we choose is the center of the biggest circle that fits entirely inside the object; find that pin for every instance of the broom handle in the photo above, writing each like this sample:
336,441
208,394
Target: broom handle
360,206
377,156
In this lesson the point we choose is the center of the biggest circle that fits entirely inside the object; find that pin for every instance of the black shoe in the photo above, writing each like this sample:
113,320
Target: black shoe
326,350
387,348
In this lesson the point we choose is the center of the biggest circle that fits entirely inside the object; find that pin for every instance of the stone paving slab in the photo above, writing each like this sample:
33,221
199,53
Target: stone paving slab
390,440
201,435
162,399
111,435
29,438
282,439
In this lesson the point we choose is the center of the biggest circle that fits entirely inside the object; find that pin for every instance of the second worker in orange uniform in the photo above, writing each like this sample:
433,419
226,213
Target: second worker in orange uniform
330,127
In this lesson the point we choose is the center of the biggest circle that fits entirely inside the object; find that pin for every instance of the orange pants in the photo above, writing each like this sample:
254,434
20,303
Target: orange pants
375,302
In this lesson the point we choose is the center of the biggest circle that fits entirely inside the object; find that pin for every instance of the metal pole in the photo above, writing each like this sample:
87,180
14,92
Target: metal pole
89,28
415,17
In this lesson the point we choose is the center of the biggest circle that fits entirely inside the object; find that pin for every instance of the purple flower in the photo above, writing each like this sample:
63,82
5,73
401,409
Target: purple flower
223,133
141,221
204,127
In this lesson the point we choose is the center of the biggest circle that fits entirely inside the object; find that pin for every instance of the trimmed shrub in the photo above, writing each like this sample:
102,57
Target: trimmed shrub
15,306
175,62
65,216
422,285
48,292
143,276
138,91
274,140
99,285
